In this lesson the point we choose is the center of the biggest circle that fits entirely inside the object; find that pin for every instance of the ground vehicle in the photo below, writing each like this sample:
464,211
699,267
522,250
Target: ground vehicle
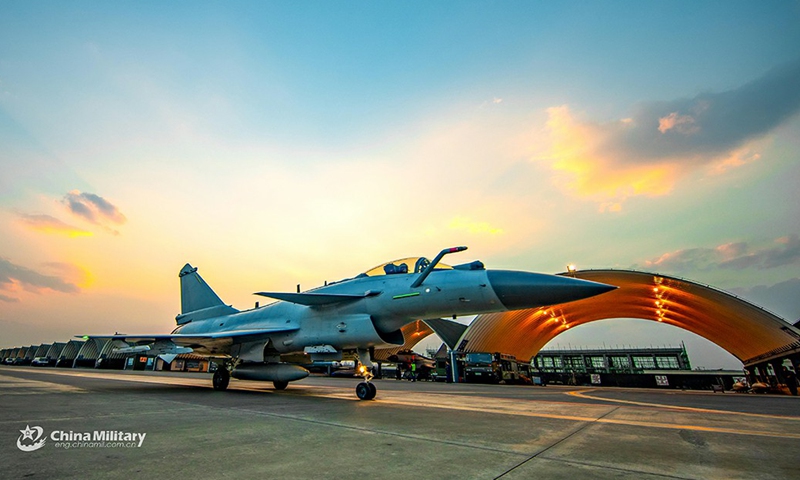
40,362
479,368
491,368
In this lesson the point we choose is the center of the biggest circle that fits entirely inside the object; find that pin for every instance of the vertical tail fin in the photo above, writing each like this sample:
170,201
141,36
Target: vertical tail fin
198,300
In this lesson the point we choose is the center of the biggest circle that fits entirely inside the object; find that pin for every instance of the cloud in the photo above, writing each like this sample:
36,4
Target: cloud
6,298
782,298
94,208
786,253
490,103
683,123
715,124
586,163
71,273
14,277
648,153
733,256
474,227
52,225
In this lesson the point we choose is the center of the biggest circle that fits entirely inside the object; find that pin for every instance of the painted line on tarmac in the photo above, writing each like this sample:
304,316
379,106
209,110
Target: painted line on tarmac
416,401
177,381
555,444
154,379
23,386
582,394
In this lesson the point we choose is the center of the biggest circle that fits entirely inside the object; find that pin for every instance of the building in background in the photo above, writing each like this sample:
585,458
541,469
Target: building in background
655,367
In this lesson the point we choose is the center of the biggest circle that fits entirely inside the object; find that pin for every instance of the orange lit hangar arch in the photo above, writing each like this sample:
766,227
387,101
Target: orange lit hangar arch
747,331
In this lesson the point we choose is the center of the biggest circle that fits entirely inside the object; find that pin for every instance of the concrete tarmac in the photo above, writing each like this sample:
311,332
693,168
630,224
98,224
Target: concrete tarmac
318,429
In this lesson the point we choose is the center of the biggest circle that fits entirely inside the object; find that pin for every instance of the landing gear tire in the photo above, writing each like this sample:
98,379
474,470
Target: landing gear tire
221,379
280,385
366,391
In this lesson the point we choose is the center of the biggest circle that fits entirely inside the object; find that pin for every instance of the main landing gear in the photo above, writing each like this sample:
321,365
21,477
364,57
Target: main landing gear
280,385
222,377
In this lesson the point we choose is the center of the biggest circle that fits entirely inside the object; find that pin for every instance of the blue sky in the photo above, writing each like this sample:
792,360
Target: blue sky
272,143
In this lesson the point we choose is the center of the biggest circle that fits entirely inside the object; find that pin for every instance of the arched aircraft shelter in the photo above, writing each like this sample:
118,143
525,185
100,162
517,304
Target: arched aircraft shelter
750,333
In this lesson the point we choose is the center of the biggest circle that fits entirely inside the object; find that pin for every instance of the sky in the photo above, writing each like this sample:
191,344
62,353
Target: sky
273,144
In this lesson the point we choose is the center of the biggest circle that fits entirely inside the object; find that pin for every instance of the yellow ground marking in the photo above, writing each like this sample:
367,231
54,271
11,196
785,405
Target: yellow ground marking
497,407
582,394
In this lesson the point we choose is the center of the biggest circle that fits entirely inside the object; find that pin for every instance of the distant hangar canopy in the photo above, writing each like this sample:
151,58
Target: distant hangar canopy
747,331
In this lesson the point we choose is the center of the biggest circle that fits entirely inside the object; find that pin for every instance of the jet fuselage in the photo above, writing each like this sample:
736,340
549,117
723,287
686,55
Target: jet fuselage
391,301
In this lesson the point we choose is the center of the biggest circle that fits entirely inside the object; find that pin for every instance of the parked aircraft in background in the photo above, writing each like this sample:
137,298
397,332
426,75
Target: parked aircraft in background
353,315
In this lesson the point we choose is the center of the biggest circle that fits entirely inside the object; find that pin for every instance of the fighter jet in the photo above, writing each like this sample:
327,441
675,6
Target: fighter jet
352,316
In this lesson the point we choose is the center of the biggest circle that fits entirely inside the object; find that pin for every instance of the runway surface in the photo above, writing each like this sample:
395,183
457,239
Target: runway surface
317,428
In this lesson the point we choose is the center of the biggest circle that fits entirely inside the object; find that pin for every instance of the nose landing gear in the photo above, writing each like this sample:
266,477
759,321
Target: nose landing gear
365,390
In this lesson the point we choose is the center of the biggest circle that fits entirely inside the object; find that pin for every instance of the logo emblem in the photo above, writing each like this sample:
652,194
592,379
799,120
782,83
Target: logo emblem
31,439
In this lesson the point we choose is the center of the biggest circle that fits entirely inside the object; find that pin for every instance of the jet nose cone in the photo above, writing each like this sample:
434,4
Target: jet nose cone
518,290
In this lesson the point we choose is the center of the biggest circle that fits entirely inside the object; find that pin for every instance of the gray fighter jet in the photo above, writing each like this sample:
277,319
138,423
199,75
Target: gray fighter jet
354,315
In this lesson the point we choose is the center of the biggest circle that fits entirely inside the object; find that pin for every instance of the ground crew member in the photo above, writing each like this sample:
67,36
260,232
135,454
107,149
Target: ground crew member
791,380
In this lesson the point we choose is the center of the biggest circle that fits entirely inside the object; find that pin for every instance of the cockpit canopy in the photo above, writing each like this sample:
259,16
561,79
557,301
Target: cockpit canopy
405,265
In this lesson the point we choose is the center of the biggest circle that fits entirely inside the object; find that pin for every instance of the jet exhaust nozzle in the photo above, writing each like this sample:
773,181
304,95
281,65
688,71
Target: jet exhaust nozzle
270,372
